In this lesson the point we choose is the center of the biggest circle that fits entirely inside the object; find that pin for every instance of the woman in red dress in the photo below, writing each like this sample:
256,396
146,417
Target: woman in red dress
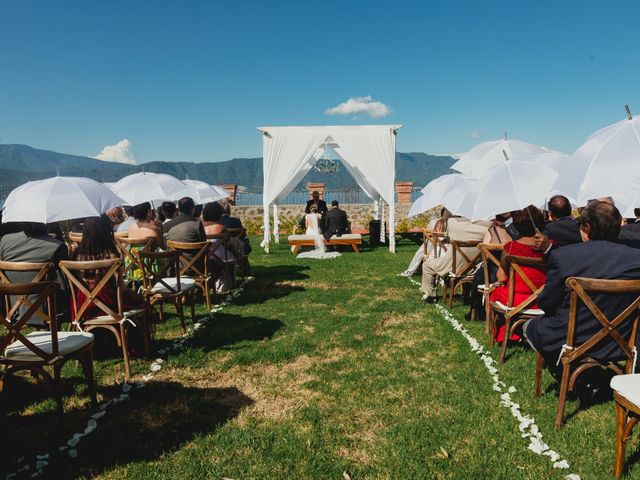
525,222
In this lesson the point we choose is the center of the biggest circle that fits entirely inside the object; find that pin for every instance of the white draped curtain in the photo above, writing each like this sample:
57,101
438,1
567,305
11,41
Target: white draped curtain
367,152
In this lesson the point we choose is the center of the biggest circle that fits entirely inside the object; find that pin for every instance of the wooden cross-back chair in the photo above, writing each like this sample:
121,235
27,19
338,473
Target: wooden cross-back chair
13,304
93,311
575,358
127,248
36,351
74,239
194,265
459,275
515,316
435,239
162,282
489,253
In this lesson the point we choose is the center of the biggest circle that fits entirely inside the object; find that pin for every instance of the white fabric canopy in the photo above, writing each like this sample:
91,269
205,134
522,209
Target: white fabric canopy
367,152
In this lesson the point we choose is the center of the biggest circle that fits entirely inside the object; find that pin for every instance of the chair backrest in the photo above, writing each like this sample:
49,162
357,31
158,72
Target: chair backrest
193,257
105,271
40,272
120,234
235,232
489,252
435,239
75,238
156,267
581,288
127,248
41,294
223,238
468,263
516,264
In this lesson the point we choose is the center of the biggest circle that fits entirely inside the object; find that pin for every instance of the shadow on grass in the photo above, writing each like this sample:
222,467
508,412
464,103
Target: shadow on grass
159,419
228,329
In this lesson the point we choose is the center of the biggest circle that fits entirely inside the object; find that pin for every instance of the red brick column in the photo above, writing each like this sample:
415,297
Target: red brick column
233,190
404,191
316,187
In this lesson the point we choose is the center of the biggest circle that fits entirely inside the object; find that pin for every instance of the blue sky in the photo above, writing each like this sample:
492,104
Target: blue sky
190,81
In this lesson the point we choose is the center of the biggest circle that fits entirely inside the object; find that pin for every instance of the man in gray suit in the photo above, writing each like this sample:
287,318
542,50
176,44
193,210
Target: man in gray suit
185,227
34,245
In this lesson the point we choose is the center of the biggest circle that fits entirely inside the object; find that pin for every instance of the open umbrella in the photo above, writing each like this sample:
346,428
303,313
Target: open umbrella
150,187
435,192
202,192
513,185
477,161
565,165
610,159
57,199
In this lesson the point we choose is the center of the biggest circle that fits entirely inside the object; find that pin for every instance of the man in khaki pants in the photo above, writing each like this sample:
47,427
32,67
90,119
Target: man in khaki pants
460,229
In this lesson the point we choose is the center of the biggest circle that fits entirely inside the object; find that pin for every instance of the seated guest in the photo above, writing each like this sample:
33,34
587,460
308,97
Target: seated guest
34,245
116,217
460,229
221,261
185,227
523,246
145,226
234,222
98,243
599,256
335,221
129,220
169,211
630,233
495,234
562,230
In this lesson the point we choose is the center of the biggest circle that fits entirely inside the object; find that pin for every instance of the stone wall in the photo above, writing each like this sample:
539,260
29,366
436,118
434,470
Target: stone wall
359,215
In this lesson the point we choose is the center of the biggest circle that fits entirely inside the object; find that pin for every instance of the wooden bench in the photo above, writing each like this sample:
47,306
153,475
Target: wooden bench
351,239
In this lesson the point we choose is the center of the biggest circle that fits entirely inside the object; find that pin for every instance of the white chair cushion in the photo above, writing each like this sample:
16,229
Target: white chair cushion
68,342
628,386
127,314
186,284
527,311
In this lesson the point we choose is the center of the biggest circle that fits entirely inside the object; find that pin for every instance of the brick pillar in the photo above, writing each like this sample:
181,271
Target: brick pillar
404,191
232,188
316,187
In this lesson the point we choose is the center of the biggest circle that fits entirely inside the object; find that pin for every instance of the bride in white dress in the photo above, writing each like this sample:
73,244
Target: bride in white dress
320,252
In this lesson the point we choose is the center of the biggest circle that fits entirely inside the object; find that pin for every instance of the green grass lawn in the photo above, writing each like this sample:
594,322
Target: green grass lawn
317,369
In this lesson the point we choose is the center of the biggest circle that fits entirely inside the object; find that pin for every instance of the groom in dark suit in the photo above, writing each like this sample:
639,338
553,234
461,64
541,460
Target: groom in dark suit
335,221
321,204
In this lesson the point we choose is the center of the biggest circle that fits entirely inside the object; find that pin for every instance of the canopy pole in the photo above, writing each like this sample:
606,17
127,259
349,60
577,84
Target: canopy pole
276,223
392,226
266,233
626,109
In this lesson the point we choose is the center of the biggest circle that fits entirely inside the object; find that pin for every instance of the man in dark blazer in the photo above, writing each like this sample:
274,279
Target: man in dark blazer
321,204
599,256
630,233
335,221
185,227
562,230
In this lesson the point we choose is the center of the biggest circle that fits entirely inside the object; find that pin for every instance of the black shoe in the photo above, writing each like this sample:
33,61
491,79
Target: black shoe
431,300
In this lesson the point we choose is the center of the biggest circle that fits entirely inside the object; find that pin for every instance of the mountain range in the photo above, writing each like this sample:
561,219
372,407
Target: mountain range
22,163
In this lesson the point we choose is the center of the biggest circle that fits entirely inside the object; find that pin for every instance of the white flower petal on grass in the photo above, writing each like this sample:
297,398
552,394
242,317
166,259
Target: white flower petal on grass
572,476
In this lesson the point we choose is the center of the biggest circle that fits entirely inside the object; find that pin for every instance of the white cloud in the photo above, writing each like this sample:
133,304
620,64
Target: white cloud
360,105
120,153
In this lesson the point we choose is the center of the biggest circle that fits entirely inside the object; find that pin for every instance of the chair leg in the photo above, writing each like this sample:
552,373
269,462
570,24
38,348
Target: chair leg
192,300
57,388
562,398
491,327
146,335
86,361
621,441
180,311
125,351
452,289
537,381
505,340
